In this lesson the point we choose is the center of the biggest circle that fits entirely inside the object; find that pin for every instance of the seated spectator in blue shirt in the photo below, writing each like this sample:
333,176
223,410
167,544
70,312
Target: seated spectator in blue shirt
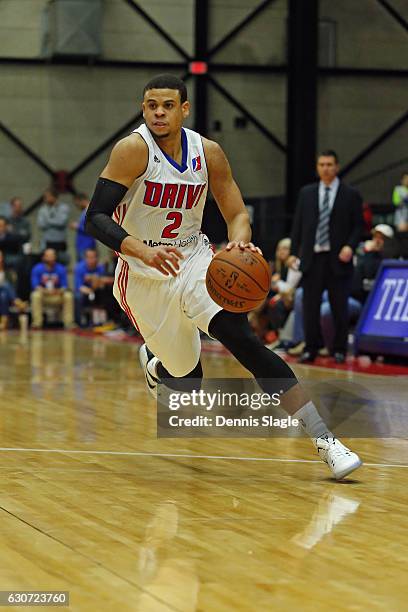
50,288
83,240
90,284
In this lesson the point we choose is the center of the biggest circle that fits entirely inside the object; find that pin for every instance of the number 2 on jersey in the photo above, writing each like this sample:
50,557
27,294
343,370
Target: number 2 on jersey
176,218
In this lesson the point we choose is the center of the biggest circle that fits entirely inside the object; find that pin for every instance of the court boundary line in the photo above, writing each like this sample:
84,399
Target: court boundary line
182,456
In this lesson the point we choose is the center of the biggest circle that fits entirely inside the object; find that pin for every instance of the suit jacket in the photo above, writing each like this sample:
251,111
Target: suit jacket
346,226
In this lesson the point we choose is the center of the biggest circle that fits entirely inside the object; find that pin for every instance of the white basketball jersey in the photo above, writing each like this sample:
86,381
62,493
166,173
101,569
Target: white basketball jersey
165,205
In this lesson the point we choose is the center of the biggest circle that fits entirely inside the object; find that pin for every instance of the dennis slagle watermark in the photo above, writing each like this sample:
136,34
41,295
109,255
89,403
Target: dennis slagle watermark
221,412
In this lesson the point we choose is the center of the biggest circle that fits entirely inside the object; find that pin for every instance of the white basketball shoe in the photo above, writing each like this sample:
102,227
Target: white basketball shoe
340,459
148,362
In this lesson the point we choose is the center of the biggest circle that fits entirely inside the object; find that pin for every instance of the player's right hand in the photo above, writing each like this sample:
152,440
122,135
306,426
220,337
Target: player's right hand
164,259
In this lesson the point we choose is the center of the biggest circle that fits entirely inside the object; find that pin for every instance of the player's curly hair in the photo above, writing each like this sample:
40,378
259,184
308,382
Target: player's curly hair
167,81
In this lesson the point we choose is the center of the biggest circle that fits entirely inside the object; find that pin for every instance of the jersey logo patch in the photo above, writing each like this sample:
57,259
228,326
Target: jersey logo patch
196,163
156,159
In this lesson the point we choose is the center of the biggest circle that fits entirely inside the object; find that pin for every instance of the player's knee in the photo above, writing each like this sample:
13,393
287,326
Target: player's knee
186,382
175,371
229,326
180,371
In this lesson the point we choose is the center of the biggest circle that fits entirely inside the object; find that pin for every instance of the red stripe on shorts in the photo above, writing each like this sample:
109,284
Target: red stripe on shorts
124,211
122,284
125,282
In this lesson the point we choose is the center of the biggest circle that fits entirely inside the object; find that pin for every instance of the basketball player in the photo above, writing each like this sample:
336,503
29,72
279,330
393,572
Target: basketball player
148,205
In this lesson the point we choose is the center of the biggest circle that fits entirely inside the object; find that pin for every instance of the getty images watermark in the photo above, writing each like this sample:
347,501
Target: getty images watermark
208,401
233,408
202,412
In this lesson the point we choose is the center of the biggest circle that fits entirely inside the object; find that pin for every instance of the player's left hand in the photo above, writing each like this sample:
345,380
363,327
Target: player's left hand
243,245
346,254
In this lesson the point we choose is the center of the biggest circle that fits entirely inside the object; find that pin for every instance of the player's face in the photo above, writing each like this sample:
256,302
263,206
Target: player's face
327,168
163,111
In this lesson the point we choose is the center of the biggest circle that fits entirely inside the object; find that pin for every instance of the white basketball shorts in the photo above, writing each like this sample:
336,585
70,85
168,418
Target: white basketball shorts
169,313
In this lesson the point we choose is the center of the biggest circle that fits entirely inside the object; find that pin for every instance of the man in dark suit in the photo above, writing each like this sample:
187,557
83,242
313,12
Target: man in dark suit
327,228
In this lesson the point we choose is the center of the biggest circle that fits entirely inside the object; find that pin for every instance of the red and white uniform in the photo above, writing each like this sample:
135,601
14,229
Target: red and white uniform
164,207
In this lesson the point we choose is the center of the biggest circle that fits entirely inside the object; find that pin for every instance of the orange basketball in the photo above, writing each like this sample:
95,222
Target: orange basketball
238,280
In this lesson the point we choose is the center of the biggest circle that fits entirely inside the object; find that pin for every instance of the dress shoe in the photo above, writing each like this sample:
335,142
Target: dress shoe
339,357
297,349
307,357
283,346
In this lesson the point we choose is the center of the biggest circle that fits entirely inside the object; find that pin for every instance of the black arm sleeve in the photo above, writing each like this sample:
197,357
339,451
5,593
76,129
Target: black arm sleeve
98,222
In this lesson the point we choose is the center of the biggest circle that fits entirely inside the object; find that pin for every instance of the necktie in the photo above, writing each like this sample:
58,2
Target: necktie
322,236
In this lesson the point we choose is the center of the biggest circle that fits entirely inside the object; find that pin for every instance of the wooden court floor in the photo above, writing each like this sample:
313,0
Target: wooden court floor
93,503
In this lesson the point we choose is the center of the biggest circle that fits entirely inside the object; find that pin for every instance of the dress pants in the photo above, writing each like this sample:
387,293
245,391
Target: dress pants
319,277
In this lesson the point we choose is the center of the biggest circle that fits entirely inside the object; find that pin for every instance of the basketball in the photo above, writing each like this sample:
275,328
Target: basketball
238,280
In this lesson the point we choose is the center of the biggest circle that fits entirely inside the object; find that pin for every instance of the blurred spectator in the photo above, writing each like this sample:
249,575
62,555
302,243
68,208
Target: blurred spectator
89,285
20,226
18,223
327,228
382,241
400,200
271,316
83,240
50,288
5,209
53,222
7,293
10,243
281,256
369,258
93,293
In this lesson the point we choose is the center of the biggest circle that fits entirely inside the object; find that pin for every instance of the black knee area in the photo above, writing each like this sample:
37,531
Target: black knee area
189,382
230,325
234,332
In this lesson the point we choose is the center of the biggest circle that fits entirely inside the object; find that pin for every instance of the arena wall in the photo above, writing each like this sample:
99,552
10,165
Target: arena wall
64,112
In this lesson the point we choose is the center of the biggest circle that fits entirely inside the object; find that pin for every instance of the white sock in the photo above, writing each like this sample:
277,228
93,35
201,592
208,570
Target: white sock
311,421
